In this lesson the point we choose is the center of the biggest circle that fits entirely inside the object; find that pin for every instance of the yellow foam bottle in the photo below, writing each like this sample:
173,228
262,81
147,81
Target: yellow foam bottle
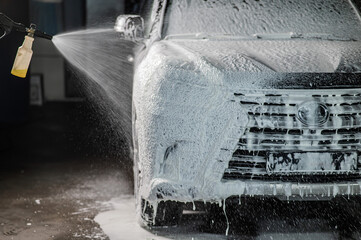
23,58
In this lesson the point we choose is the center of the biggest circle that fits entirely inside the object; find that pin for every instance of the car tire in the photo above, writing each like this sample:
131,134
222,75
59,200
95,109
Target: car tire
216,220
169,213
237,221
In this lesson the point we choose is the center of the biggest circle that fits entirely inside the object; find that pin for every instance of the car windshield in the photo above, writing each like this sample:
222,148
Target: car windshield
338,18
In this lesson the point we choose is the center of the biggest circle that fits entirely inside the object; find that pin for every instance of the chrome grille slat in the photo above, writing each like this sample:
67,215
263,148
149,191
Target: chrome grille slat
334,122
294,100
303,137
282,147
251,159
273,125
268,144
345,109
269,109
291,110
292,96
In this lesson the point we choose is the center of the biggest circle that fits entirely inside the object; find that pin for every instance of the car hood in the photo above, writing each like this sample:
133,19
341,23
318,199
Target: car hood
260,64
286,56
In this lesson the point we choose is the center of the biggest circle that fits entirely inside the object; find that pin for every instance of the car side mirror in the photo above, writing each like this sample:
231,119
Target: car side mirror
130,27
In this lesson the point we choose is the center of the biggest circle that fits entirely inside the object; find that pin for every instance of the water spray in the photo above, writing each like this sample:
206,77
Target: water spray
25,52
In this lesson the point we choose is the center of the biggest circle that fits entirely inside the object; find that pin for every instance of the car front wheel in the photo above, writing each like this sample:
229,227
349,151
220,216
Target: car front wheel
167,213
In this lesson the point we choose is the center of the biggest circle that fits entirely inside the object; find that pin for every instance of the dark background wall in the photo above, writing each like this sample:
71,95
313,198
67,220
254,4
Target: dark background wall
14,92
103,13
47,15
74,14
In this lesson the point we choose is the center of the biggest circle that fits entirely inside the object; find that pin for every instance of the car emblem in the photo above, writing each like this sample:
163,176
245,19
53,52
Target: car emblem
313,113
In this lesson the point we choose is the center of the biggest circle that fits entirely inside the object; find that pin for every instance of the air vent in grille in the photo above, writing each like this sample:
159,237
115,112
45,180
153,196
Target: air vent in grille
252,166
273,126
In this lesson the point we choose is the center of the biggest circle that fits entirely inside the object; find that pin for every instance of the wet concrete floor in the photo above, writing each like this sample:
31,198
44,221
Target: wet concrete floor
56,170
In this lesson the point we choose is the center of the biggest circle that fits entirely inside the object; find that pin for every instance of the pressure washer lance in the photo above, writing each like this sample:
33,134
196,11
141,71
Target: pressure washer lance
23,57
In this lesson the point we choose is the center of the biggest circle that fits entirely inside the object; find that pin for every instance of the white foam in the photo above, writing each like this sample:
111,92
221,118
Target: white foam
245,18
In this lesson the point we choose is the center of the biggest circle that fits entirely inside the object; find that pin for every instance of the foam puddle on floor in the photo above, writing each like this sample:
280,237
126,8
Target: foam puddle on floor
120,224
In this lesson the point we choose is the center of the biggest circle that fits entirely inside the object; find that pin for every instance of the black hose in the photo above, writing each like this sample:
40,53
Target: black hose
2,33
6,24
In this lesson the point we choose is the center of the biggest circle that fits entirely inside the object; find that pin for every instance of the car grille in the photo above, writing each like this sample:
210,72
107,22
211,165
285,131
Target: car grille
273,126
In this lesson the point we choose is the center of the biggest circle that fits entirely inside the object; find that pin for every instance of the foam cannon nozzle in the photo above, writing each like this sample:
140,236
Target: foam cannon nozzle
25,52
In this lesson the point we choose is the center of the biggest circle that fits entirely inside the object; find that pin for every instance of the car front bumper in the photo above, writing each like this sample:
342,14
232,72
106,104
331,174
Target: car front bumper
215,192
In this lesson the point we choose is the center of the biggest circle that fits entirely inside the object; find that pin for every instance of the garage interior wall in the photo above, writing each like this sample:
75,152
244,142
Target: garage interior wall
103,13
53,17
14,91
58,16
